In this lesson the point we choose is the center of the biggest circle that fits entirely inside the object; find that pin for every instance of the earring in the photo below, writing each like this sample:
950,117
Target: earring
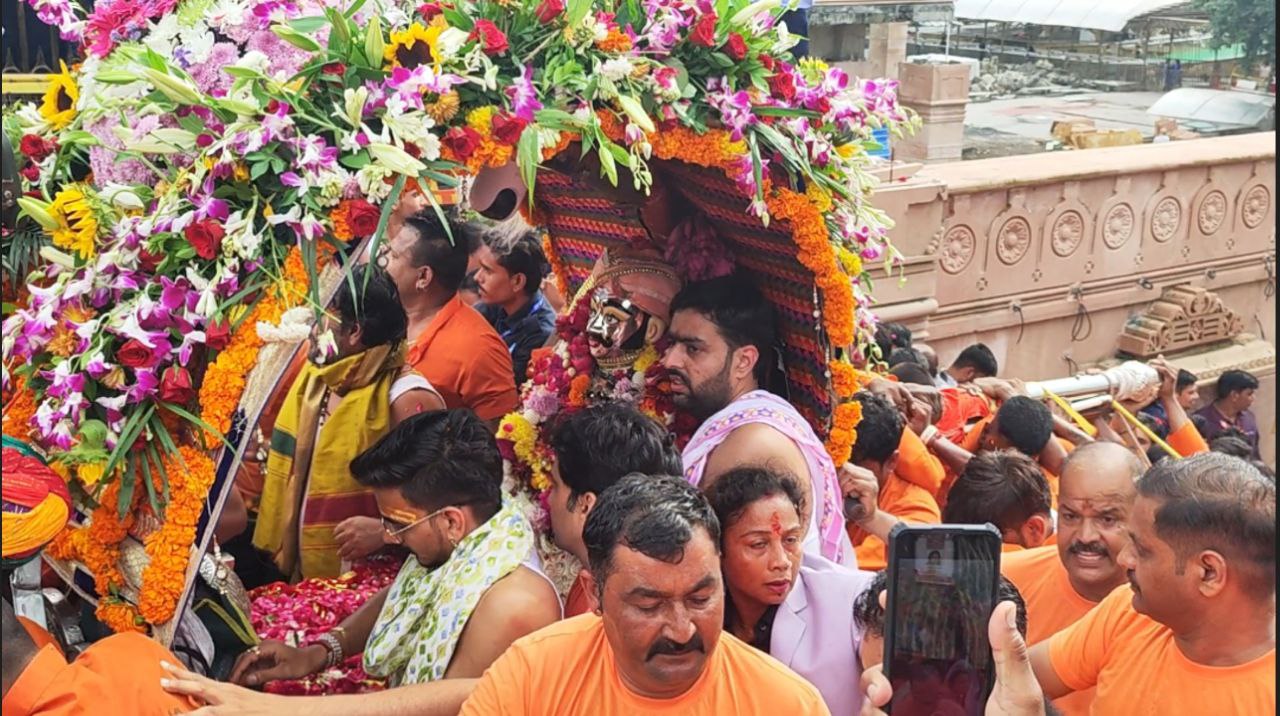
421,285
453,543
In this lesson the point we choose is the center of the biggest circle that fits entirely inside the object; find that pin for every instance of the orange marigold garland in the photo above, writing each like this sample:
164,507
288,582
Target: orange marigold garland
844,421
191,474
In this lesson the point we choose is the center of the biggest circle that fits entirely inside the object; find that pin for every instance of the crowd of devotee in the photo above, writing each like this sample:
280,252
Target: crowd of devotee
743,574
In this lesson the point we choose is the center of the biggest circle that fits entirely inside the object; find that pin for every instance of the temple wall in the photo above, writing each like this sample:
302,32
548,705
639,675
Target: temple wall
1046,257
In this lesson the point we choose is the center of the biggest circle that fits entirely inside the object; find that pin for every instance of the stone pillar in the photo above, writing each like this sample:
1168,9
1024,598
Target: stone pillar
939,93
886,48
838,43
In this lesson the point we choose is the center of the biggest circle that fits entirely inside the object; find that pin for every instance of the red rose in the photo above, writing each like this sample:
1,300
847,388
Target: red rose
31,173
217,334
704,31
133,354
493,40
335,69
363,218
549,10
206,237
462,141
783,86
765,60
507,128
429,10
148,261
175,386
34,148
736,47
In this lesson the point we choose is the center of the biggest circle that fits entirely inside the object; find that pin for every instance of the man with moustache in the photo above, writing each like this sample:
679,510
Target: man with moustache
1196,633
655,643
722,350
1062,582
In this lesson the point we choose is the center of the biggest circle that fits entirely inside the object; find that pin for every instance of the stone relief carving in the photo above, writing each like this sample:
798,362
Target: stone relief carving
1067,233
1117,226
1213,210
1183,317
1254,208
958,247
1165,219
1013,240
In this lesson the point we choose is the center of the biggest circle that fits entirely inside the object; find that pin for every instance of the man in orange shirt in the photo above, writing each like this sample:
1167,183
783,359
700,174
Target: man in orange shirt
1196,632
656,642
1007,489
593,449
1062,582
885,498
1026,425
120,674
449,342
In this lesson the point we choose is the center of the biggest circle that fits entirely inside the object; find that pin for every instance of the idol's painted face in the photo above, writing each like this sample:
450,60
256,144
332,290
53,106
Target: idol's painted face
662,619
614,324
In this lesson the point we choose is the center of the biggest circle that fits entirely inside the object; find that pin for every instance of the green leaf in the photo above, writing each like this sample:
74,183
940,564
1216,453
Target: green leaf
295,38
195,420
127,482
721,60
458,19
243,72
258,169
529,156
145,461
309,25
757,167
132,428
577,11
784,112
388,206
607,165
355,8
355,162
340,37
164,476
439,210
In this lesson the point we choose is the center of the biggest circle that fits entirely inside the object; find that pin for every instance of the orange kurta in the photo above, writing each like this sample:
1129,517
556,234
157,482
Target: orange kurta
904,500
466,361
917,465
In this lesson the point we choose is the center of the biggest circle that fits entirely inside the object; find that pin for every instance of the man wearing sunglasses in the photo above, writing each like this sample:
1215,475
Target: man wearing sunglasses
474,585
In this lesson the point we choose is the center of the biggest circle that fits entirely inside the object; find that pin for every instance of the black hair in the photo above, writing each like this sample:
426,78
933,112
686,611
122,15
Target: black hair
1219,502
879,431
1186,379
437,459
979,357
523,256
1264,469
869,615
907,354
1200,422
1003,487
445,251
1233,442
655,515
1026,423
890,336
1235,380
597,446
369,299
1155,454
911,373
741,313
736,490
1154,424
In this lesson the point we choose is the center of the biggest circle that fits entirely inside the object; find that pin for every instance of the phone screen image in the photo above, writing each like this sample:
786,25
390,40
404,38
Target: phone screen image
942,588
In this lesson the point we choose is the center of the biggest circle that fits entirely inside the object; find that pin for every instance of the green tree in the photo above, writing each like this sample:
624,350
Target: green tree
1248,22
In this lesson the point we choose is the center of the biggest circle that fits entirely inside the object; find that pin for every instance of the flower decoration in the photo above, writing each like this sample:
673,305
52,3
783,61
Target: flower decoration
59,105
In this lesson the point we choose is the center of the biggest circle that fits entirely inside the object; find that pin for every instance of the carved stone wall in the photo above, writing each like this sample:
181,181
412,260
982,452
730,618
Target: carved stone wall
1183,317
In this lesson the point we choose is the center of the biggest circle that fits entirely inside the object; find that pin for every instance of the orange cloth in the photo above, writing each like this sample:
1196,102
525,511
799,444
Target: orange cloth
118,675
1187,440
568,669
580,600
465,359
917,465
1007,547
1138,668
39,634
1052,605
959,407
972,440
904,500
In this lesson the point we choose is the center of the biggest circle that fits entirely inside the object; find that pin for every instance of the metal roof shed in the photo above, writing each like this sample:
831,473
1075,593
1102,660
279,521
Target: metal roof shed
1108,15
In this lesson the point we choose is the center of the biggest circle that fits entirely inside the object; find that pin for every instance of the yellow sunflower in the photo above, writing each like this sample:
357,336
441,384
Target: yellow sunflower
415,45
59,105
77,225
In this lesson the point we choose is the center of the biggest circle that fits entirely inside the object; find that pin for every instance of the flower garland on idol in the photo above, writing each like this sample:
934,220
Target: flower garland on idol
206,154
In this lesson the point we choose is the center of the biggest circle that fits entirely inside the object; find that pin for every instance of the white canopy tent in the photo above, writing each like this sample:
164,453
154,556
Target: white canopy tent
1108,15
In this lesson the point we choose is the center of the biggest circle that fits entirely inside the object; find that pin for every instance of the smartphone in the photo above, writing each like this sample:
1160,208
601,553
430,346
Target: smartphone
943,582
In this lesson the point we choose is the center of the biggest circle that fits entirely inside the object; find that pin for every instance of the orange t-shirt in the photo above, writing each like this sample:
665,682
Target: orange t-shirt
904,500
917,465
1138,669
971,443
1052,605
1187,441
959,407
118,675
568,669
580,600
465,359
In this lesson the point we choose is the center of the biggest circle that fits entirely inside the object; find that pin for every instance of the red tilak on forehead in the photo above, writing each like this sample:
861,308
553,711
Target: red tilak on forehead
775,522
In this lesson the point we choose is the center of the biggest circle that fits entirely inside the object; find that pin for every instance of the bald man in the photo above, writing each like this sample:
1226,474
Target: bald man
1061,583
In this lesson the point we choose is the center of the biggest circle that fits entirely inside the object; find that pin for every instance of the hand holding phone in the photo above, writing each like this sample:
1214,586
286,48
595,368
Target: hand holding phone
943,582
